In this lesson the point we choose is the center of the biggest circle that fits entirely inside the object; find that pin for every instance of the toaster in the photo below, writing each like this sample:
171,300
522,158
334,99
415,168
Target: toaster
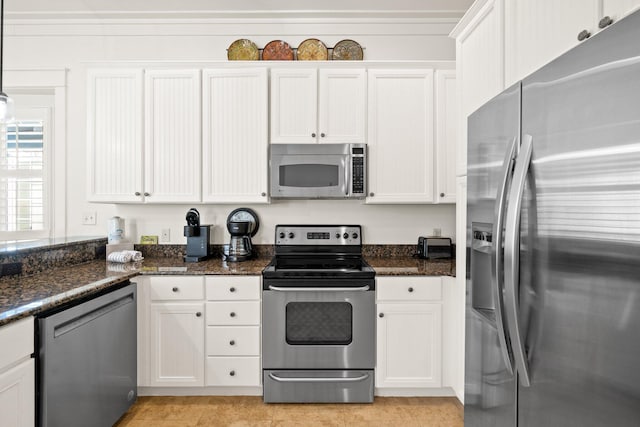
434,247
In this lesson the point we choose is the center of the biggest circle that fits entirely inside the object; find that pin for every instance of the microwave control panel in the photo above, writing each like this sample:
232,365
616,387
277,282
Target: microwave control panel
357,169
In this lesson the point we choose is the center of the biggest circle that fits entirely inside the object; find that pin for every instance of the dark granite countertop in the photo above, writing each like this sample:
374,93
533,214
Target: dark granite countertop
22,296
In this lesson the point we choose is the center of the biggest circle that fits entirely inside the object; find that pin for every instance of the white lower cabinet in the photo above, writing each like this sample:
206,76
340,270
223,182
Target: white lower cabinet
409,332
17,375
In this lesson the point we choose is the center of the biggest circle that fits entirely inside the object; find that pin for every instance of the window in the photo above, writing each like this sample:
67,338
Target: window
25,209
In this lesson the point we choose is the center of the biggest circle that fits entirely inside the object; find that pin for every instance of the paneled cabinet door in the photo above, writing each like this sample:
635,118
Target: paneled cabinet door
318,106
400,136
616,9
114,135
177,344
17,395
172,136
409,345
446,135
235,136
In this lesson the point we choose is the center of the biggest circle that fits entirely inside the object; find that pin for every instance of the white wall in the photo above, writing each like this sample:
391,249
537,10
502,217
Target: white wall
38,39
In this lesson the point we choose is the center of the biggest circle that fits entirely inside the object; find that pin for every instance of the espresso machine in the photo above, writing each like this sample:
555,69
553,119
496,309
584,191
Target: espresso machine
198,238
242,224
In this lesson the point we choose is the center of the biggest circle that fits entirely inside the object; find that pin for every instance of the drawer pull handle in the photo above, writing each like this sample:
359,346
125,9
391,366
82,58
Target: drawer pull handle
175,289
232,314
410,289
232,289
232,342
198,314
232,373
381,315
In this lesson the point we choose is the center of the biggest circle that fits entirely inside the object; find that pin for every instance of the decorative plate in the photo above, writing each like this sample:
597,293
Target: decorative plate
245,214
277,50
243,50
312,50
347,50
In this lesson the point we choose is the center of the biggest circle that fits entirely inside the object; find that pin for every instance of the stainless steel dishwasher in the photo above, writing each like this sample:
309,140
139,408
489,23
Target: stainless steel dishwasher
86,361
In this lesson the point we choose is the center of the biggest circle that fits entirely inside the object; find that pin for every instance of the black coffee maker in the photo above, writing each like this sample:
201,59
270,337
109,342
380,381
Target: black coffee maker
198,238
242,224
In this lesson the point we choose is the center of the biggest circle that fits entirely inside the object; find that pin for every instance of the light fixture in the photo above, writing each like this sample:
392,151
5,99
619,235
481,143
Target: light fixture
6,103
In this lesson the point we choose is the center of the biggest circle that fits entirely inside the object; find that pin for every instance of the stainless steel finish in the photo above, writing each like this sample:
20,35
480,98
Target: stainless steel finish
323,289
87,361
496,252
512,260
278,354
327,386
309,235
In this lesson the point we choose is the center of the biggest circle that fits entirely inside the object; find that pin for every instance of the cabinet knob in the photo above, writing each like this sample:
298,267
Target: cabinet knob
605,22
313,135
232,289
371,194
322,135
263,194
232,314
232,342
146,194
232,373
381,315
441,194
583,35
137,193
175,289
199,314
410,289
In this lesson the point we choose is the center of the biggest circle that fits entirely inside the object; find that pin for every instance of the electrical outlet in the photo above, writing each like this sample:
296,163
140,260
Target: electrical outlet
89,218
165,236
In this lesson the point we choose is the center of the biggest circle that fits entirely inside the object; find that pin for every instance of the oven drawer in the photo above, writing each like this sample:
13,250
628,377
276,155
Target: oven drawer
409,288
233,313
233,288
233,341
344,386
233,371
176,288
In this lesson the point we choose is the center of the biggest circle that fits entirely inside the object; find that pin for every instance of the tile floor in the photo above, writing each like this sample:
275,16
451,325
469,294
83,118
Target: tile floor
250,411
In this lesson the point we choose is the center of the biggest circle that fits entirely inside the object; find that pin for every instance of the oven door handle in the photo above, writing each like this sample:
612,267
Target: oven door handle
317,380
327,289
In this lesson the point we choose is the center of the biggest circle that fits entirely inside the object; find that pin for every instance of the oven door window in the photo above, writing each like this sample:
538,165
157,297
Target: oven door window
319,323
309,175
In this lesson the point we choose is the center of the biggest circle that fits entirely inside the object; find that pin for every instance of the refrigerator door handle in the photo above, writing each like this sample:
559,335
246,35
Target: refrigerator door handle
512,259
496,255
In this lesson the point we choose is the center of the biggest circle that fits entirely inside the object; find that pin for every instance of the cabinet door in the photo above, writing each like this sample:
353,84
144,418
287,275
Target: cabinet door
17,395
235,145
538,31
409,345
342,106
172,136
114,135
400,136
294,106
446,135
177,344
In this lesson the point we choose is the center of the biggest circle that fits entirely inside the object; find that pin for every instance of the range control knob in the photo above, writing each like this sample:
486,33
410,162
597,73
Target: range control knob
354,235
345,235
337,235
281,235
291,235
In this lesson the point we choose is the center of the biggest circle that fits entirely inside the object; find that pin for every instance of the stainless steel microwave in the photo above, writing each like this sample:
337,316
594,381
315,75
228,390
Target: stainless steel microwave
318,171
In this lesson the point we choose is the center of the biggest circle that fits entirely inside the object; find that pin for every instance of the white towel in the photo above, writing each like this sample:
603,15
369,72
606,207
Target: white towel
125,256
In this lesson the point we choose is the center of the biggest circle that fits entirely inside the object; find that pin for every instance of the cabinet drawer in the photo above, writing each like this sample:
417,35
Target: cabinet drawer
233,341
233,371
16,341
413,288
233,313
176,288
233,288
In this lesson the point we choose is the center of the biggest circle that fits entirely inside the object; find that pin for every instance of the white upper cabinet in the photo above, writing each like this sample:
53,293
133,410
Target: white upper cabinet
616,9
114,134
311,106
446,135
235,136
400,136
172,136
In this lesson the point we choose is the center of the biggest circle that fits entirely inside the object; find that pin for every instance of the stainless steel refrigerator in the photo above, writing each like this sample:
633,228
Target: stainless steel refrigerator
553,279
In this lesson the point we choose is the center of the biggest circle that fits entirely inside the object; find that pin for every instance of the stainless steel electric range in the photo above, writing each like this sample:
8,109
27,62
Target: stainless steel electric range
318,316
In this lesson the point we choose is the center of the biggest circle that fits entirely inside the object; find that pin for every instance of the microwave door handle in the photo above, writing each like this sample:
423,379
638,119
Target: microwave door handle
496,252
347,172
512,259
